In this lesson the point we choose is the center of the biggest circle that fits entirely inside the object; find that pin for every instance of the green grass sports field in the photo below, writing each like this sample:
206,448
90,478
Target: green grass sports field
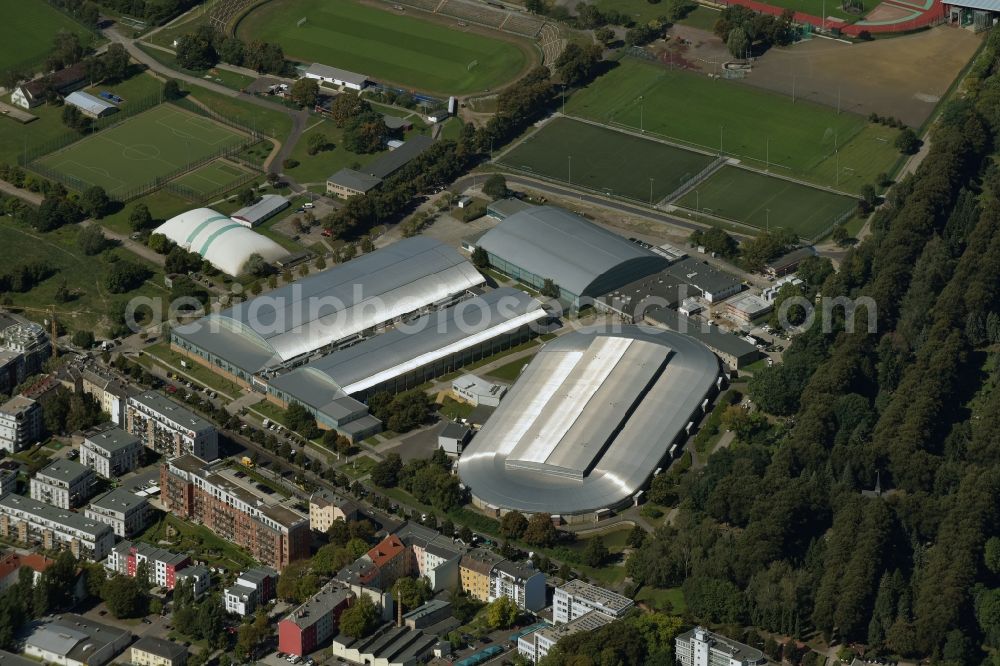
606,160
388,45
153,144
762,201
760,127
212,177
28,29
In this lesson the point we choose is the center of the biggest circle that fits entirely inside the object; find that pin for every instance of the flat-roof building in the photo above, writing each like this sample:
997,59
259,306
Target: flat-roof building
747,307
535,645
126,513
252,589
789,262
236,510
714,284
587,422
336,76
254,214
37,523
577,598
701,647
63,483
475,390
733,350
110,451
20,423
73,640
582,259
170,429
520,582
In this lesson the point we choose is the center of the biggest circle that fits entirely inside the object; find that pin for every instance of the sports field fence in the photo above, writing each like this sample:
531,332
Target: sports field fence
131,108
198,197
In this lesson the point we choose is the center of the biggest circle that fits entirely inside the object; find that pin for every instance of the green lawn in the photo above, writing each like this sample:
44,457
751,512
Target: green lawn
151,145
454,409
233,80
218,176
765,129
390,46
510,371
162,206
271,122
84,276
133,90
762,201
606,160
357,467
670,599
171,360
197,540
29,27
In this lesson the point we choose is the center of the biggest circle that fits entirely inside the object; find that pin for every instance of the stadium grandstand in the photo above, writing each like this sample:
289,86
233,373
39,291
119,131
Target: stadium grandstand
407,356
582,259
338,307
219,240
588,421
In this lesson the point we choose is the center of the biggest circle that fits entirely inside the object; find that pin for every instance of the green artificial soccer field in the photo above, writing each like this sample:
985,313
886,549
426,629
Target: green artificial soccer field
391,46
153,144
763,201
215,176
766,129
606,160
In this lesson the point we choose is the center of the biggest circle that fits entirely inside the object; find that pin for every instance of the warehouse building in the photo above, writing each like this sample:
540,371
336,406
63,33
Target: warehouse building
582,259
733,350
257,213
714,285
89,105
334,308
587,422
218,239
73,640
407,356
747,307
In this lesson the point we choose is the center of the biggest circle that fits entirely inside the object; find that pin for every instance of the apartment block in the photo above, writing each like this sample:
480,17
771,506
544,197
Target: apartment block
20,423
252,589
326,507
109,394
24,348
198,577
475,569
701,647
306,627
170,429
37,523
232,507
433,555
63,483
163,566
8,480
152,651
577,598
110,451
519,581
126,513
537,644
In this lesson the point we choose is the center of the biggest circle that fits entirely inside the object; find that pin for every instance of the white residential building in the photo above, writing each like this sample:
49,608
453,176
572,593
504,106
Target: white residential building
252,589
63,483
170,429
20,423
537,644
112,396
198,576
577,598
110,451
437,557
521,582
126,513
29,521
701,647
163,566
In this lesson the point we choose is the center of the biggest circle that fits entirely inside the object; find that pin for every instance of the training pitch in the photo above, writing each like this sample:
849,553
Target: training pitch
606,160
28,29
766,129
153,144
762,201
217,176
388,45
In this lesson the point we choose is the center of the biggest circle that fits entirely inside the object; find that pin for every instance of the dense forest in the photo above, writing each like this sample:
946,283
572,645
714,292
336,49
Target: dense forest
776,531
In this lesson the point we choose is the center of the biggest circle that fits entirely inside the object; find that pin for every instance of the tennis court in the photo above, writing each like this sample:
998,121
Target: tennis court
152,145
764,201
216,176
606,160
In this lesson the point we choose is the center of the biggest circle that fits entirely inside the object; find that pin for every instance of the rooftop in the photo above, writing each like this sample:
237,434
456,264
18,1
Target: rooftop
392,162
587,622
707,333
159,403
75,637
353,179
597,595
10,659
481,560
751,304
110,438
519,570
702,275
16,405
66,471
386,550
736,650
327,72
588,420
160,647
150,552
268,205
118,500
318,606
432,606
798,254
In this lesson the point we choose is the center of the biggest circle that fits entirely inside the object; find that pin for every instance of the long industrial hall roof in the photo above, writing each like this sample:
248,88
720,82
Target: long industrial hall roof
588,420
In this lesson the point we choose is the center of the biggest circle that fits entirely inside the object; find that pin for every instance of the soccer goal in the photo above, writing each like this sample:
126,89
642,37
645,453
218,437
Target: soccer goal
472,65
301,22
